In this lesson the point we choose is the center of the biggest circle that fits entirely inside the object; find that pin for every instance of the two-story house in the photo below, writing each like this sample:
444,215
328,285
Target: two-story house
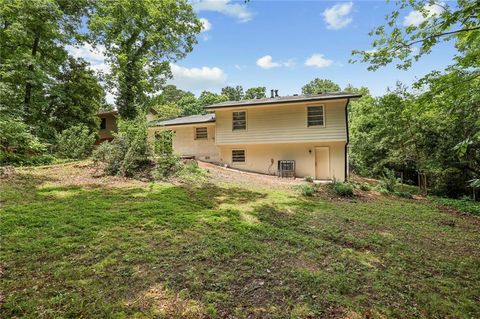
254,135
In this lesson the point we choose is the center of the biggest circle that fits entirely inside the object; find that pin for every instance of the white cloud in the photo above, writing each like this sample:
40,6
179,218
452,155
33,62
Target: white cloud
236,10
266,62
415,17
337,17
95,56
206,25
204,78
318,60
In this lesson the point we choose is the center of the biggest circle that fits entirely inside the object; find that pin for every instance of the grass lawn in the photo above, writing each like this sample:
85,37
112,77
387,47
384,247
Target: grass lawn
123,249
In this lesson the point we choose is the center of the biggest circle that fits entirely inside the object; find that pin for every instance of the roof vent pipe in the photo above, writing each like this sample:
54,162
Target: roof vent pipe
276,93
271,94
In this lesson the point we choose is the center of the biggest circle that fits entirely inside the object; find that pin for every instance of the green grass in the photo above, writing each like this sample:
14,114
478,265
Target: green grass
167,251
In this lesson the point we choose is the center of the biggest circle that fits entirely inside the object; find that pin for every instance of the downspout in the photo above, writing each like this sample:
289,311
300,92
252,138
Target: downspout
348,140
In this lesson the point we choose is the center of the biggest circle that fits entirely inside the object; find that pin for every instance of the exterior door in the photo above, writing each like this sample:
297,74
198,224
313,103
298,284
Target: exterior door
322,162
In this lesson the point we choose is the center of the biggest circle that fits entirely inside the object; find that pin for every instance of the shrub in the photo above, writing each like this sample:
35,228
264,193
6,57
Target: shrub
166,166
343,189
465,204
388,180
18,146
404,195
307,189
76,142
129,152
309,179
365,186
192,173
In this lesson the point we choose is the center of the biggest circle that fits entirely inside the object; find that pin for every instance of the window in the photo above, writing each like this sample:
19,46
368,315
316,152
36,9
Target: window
238,156
315,116
201,133
239,120
103,123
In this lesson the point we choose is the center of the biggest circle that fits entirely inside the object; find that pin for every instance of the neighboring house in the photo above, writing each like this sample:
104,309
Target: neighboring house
254,135
108,125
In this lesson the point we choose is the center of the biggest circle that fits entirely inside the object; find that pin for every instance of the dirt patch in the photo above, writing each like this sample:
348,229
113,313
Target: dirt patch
220,174
81,174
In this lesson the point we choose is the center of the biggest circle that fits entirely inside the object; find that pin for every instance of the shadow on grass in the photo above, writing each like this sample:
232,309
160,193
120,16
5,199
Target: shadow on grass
177,252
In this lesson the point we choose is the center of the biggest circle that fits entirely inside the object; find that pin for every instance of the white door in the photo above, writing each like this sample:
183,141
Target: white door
322,162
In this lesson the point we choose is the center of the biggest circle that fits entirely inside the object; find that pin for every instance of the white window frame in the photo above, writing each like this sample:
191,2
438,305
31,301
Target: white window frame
246,121
200,138
324,116
244,156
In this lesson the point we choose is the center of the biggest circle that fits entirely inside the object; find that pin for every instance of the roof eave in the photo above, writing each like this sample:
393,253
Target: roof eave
213,107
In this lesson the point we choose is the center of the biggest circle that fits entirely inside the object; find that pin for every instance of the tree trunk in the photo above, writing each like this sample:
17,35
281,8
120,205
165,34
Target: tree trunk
28,84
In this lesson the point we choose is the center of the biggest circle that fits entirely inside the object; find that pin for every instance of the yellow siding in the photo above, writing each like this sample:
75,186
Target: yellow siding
263,158
282,124
185,144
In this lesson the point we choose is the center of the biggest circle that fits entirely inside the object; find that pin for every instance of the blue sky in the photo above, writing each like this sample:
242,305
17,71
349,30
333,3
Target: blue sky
285,44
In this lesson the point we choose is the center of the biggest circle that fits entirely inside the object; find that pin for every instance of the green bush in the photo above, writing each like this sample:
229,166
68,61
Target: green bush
309,179
307,189
464,204
166,166
75,142
129,153
365,186
404,195
18,146
388,180
343,189
192,173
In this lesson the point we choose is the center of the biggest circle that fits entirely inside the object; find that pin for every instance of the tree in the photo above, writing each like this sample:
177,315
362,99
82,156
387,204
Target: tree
317,86
141,39
208,98
75,98
255,93
32,37
440,22
189,105
233,93
172,94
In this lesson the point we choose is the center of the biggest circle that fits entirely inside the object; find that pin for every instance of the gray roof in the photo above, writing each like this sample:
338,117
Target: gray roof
192,119
286,99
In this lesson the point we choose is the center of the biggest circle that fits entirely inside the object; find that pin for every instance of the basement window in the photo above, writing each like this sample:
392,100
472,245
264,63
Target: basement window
103,123
239,120
238,156
315,116
201,133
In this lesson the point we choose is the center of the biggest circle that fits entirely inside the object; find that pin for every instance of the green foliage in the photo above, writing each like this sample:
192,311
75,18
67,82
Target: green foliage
343,189
192,174
465,204
74,99
403,44
129,152
166,166
18,145
75,142
307,189
320,86
365,186
233,93
404,195
389,180
308,179
255,93
141,39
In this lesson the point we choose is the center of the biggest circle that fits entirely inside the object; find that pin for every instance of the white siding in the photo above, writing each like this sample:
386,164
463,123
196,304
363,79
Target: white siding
282,124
